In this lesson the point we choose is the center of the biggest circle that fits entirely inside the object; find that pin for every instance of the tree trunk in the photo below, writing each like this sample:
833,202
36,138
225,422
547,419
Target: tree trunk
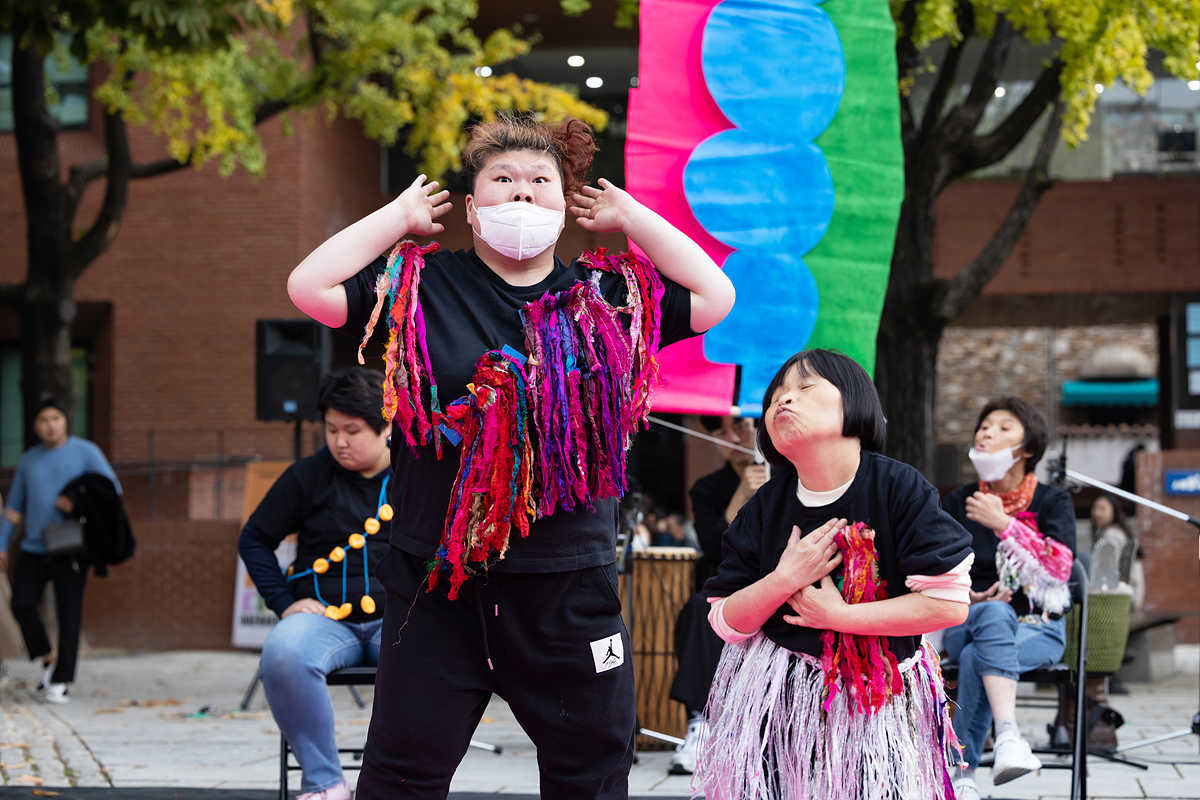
48,306
907,344
46,353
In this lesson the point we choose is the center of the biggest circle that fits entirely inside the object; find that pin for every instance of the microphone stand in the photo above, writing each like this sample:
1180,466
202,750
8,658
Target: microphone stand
1061,475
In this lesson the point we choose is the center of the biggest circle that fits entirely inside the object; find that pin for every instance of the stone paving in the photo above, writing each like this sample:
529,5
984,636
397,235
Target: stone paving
172,719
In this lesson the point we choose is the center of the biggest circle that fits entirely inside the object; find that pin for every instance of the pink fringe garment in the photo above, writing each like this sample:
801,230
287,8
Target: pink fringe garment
770,739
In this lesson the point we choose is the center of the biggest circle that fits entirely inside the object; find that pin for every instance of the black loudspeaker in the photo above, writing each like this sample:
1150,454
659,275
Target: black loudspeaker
291,357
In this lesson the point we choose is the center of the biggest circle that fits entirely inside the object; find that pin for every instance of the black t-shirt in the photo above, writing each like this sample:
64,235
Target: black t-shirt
469,309
1055,518
913,536
710,497
323,503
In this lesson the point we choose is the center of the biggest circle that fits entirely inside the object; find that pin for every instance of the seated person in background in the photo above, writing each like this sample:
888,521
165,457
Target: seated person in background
1115,546
716,500
1023,538
675,531
330,603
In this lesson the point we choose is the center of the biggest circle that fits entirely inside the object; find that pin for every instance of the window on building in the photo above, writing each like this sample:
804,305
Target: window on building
68,77
12,433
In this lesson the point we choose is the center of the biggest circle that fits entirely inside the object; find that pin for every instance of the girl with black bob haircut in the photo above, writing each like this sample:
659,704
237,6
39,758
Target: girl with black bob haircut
829,576
862,414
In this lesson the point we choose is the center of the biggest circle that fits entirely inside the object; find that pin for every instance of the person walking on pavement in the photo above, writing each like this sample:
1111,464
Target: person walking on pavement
36,500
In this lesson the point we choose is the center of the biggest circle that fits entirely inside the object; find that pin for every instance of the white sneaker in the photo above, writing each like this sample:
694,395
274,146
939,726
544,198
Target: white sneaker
965,789
1013,758
53,693
47,674
683,760
339,792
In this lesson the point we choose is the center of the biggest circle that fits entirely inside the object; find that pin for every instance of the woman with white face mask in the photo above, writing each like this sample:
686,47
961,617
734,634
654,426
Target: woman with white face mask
514,381
1024,539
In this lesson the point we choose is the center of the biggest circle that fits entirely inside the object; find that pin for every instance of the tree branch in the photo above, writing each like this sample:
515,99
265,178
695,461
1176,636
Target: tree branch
116,191
949,71
983,151
969,282
961,122
906,48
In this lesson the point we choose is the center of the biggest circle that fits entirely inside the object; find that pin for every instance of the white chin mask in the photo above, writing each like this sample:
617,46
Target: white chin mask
992,466
518,230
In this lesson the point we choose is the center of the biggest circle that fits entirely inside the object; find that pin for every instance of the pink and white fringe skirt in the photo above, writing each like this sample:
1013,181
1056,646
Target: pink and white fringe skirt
770,739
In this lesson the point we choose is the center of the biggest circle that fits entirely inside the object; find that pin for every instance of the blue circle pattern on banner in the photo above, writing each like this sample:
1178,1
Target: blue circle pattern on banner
775,68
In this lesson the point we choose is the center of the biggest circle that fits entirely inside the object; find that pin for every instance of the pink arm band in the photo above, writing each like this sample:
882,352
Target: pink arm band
953,585
716,618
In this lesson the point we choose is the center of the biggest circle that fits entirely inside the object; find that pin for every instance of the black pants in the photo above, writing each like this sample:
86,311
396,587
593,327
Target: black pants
549,644
30,575
698,651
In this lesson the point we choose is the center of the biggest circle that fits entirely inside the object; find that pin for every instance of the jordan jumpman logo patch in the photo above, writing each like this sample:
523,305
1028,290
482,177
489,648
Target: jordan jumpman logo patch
608,653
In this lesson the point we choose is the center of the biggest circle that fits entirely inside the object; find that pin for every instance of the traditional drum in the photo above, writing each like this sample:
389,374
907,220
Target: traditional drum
663,580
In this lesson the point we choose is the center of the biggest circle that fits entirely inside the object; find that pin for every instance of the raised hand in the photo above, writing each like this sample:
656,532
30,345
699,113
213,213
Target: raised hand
988,511
807,559
420,204
603,210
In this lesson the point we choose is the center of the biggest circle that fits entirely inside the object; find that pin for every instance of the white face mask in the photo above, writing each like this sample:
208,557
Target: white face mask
518,230
992,466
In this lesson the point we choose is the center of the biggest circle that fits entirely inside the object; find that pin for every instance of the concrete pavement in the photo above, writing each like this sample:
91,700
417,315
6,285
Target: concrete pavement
172,720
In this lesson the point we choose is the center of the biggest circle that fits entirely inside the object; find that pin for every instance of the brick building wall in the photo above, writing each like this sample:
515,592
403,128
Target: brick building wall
977,364
1172,575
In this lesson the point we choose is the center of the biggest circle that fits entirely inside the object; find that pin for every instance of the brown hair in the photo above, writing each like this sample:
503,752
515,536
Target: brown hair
570,143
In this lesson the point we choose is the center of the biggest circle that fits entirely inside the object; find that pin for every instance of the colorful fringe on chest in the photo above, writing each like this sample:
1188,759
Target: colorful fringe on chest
866,665
540,432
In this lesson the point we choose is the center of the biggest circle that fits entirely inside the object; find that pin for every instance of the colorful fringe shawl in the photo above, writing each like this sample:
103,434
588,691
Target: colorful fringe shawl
584,389
1036,564
863,664
771,737
406,357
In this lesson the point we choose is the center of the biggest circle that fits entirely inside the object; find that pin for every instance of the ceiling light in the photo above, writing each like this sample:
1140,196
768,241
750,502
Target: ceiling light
594,82
575,61
1001,91
484,71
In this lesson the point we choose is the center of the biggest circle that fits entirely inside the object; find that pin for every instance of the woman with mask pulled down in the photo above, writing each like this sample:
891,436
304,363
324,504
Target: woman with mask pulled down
1024,540
514,381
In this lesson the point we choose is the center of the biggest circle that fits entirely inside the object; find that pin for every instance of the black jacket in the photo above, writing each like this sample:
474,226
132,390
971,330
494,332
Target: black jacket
107,535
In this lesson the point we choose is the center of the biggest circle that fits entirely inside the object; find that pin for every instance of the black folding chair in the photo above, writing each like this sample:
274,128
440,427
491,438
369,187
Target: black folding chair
346,676
1067,678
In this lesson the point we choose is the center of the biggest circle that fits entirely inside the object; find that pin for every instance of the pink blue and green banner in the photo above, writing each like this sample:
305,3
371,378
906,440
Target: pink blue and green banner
769,132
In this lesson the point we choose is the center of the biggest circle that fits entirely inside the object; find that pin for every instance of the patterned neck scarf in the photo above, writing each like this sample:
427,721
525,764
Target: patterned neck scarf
1019,498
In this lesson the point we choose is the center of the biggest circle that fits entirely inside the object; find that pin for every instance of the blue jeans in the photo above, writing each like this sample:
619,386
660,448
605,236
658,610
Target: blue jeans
993,642
297,655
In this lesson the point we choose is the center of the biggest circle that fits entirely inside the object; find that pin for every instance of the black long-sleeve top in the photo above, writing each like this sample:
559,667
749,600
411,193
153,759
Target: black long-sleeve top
323,503
913,536
710,498
1055,518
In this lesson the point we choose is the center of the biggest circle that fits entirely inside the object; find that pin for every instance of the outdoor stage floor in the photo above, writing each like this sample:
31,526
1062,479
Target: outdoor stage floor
161,726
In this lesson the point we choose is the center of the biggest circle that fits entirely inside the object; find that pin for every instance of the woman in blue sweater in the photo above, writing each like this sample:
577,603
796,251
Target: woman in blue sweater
36,500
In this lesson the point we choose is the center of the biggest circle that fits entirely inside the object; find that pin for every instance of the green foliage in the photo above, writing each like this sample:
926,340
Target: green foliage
1098,41
203,73
626,13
